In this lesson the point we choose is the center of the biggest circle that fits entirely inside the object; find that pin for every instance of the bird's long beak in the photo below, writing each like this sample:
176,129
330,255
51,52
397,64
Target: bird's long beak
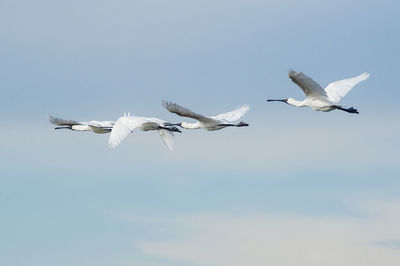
275,100
62,128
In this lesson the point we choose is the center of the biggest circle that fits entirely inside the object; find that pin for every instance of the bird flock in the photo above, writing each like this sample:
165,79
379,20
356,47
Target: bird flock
317,98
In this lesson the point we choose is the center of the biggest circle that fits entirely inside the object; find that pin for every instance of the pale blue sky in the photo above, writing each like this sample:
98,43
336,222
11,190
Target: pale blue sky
318,188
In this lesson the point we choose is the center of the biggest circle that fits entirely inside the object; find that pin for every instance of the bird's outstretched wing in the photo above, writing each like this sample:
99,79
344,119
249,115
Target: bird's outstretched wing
122,128
62,122
101,124
309,86
167,137
232,115
182,111
101,127
338,89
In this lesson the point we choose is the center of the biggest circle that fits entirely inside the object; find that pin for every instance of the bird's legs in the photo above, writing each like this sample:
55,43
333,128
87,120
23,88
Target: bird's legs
241,124
168,124
349,110
172,129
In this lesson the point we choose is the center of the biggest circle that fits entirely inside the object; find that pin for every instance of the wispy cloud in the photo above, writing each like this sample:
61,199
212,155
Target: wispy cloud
395,244
275,239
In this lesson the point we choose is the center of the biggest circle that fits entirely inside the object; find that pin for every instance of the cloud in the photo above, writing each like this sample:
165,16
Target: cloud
285,239
389,243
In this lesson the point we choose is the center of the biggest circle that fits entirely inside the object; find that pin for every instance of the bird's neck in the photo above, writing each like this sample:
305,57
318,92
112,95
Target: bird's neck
81,128
296,103
190,125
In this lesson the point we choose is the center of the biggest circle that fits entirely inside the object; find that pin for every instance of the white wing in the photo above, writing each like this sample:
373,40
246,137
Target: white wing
338,89
182,111
232,115
122,128
167,137
62,122
107,124
100,127
309,86
153,120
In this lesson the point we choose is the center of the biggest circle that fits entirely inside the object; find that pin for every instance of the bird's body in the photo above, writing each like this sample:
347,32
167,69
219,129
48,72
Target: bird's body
127,124
99,127
207,122
315,103
321,99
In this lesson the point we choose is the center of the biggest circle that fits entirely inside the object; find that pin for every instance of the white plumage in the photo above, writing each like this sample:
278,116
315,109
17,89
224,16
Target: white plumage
99,127
127,124
321,99
338,89
208,122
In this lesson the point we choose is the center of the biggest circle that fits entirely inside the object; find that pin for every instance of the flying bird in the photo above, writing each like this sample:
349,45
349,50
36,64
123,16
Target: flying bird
321,99
99,127
208,122
127,124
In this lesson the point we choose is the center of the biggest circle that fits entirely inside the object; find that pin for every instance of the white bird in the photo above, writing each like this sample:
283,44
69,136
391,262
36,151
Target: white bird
323,99
127,124
99,127
208,122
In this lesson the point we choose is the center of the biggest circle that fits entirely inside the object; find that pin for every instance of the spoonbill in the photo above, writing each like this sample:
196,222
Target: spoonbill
127,124
99,127
323,99
208,122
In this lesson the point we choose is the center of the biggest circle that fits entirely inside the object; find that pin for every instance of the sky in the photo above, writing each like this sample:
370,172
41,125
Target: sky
297,187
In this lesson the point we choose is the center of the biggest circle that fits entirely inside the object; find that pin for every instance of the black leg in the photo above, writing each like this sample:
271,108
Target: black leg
226,125
173,129
168,124
349,110
242,124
